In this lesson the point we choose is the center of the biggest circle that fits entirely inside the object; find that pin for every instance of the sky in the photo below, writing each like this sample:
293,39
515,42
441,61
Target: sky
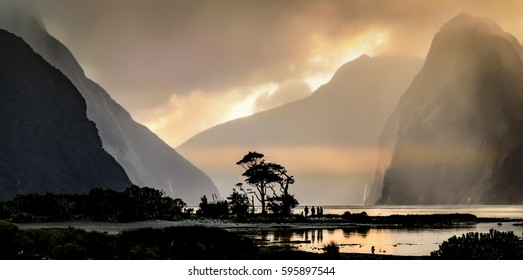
180,67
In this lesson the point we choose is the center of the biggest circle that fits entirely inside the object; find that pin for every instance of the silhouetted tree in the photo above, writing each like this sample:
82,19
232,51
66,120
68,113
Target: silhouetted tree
264,177
258,175
204,202
285,202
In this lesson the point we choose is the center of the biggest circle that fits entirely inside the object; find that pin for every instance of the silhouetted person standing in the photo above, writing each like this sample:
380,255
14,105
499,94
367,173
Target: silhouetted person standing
306,210
313,211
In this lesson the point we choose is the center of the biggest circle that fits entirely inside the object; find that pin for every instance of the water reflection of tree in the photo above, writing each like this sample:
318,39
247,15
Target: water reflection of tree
312,235
320,235
264,235
283,235
362,231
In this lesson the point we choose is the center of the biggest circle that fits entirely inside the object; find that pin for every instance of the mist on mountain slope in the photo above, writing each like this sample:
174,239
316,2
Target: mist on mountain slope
455,135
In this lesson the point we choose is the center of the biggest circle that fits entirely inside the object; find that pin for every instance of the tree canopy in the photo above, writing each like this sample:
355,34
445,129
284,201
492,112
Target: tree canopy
269,182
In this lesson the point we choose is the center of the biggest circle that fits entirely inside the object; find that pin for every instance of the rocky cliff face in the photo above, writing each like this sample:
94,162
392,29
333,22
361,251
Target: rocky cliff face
47,143
147,160
459,126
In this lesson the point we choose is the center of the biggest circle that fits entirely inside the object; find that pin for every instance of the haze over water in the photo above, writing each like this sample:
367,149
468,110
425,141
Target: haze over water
483,211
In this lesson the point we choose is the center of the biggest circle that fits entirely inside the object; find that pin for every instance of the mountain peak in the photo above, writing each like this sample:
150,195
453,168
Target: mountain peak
458,126
47,142
474,41
466,23
147,160
18,15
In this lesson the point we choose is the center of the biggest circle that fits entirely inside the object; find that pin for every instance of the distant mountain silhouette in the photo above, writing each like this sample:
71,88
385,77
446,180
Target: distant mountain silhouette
47,144
459,126
147,160
316,136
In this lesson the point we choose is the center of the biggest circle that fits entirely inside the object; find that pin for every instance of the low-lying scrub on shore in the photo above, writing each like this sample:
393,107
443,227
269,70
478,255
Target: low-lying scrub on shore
146,243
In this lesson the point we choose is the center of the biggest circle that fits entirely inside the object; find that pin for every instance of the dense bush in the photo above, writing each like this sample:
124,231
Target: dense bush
356,217
481,246
282,205
239,204
214,209
135,203
332,250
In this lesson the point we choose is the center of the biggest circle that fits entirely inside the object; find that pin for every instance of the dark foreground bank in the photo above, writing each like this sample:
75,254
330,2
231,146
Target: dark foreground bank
184,243
207,243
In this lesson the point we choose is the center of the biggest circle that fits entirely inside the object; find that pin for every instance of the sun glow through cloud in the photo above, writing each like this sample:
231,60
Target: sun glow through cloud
332,58
245,107
184,116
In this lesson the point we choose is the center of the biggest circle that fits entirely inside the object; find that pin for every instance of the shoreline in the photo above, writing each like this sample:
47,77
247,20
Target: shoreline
393,221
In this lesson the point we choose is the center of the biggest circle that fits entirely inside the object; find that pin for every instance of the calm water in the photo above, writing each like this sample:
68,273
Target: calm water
397,241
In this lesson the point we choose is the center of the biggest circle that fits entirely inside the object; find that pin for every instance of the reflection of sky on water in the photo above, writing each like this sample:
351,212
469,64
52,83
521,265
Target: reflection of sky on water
397,241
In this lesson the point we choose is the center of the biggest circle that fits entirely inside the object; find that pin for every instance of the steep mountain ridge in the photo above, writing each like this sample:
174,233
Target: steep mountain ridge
460,123
47,144
147,160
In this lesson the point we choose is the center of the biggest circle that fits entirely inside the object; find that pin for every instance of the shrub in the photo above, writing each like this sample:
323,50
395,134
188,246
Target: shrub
481,246
213,209
332,250
10,240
